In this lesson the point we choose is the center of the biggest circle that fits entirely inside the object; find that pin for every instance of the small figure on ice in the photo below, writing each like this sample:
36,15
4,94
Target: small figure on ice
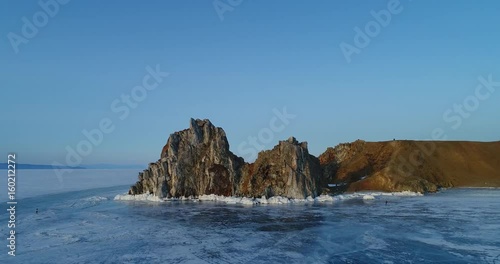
36,211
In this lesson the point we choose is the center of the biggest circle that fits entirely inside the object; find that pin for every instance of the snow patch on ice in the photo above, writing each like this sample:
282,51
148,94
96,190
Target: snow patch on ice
374,195
368,197
263,200
86,202
226,199
138,197
95,199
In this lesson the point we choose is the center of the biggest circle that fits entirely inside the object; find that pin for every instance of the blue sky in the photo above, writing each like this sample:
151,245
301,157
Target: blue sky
263,55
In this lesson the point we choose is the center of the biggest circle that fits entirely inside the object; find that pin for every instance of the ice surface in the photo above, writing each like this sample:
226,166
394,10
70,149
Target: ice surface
32,183
90,226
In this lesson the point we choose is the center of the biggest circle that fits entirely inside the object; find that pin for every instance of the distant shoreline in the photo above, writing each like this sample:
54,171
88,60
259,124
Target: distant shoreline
3,166
39,167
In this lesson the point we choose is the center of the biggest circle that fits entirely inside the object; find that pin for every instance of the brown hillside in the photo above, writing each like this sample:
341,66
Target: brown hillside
412,165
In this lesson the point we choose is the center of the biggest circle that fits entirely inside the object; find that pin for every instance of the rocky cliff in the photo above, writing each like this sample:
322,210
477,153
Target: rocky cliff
194,161
287,170
198,161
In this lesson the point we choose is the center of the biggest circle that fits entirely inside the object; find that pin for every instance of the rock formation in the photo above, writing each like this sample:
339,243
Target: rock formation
194,161
198,161
287,170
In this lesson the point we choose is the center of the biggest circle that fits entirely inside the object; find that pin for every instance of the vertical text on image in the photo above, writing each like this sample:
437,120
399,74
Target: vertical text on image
11,203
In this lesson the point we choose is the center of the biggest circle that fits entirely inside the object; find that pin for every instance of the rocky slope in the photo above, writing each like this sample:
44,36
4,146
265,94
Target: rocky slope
198,161
422,166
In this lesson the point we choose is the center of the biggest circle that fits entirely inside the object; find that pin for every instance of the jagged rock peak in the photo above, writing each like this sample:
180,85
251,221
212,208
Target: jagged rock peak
194,161
200,131
292,140
199,123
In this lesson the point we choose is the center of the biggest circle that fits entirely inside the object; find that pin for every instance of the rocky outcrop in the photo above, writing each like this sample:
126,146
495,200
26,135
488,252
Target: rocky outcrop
198,161
287,170
194,161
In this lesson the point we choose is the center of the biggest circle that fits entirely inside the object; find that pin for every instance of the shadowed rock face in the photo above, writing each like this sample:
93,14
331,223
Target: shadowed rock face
286,170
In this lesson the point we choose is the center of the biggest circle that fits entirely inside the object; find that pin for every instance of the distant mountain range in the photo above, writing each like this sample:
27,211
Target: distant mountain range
19,166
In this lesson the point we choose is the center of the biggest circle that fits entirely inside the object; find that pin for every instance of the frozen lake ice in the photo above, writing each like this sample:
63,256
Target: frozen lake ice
80,222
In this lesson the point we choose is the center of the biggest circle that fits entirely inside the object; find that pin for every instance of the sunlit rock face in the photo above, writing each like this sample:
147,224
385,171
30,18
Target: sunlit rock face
194,161
408,165
287,170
